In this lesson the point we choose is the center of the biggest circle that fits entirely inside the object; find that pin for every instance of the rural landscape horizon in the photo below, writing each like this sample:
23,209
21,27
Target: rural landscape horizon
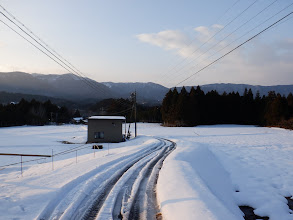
159,110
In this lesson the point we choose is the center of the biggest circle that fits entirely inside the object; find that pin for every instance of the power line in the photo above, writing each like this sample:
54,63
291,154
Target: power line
235,48
188,44
124,111
60,62
56,57
227,24
73,69
255,28
33,44
215,45
69,68
29,30
228,10
215,34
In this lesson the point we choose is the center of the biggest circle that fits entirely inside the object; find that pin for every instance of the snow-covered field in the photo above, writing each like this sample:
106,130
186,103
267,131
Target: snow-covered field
213,170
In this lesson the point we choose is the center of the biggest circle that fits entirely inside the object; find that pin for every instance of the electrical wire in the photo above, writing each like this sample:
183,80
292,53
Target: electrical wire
30,31
215,34
33,44
215,45
88,82
259,33
124,111
39,48
188,44
254,29
66,65
78,72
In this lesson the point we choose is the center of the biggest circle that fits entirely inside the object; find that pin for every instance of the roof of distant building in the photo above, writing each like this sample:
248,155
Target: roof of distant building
108,117
77,119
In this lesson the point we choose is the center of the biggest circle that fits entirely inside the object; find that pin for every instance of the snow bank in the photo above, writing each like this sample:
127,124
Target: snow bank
218,168
213,170
193,181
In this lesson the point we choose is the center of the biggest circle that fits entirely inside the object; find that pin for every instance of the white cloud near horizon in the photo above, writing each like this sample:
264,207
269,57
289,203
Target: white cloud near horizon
264,63
168,39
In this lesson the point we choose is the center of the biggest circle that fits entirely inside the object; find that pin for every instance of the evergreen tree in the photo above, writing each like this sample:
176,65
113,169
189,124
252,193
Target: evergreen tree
181,110
166,107
76,114
63,115
290,105
174,115
195,107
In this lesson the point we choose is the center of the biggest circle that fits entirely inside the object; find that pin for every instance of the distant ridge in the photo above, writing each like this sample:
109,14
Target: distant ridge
146,92
72,88
8,97
66,86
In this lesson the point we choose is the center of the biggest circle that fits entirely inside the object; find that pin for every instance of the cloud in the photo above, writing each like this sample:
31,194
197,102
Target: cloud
217,26
6,68
169,39
182,43
258,62
286,44
204,31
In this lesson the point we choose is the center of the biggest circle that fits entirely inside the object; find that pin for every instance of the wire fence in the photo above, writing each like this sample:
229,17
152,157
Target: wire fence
43,158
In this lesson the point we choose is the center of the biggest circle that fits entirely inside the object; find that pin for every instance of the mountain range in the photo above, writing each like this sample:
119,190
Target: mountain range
72,88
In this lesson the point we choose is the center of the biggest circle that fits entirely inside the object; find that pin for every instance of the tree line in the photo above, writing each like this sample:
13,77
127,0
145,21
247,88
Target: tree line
125,107
32,113
178,109
41,113
198,108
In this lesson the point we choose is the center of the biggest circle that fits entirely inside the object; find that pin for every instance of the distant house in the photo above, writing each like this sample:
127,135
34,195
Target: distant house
105,129
79,120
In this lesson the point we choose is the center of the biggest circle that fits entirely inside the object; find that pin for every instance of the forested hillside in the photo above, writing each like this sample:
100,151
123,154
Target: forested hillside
198,108
32,113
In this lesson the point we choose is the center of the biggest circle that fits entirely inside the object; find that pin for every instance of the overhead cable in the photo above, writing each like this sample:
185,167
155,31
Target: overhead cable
222,40
188,44
48,52
215,34
259,33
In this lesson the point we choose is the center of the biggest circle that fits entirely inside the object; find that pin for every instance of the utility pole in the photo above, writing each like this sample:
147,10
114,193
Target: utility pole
133,97
125,126
56,117
135,113
51,122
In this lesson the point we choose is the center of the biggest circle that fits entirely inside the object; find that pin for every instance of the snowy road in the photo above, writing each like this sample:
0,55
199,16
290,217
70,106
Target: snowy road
121,188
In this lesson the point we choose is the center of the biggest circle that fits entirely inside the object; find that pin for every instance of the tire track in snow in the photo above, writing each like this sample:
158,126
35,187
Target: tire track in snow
144,204
62,203
113,188
101,197
133,196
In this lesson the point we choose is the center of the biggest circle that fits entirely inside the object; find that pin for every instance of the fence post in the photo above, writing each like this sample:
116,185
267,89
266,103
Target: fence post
52,160
21,165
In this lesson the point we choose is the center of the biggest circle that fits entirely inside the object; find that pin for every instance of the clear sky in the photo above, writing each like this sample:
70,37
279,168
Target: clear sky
154,40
